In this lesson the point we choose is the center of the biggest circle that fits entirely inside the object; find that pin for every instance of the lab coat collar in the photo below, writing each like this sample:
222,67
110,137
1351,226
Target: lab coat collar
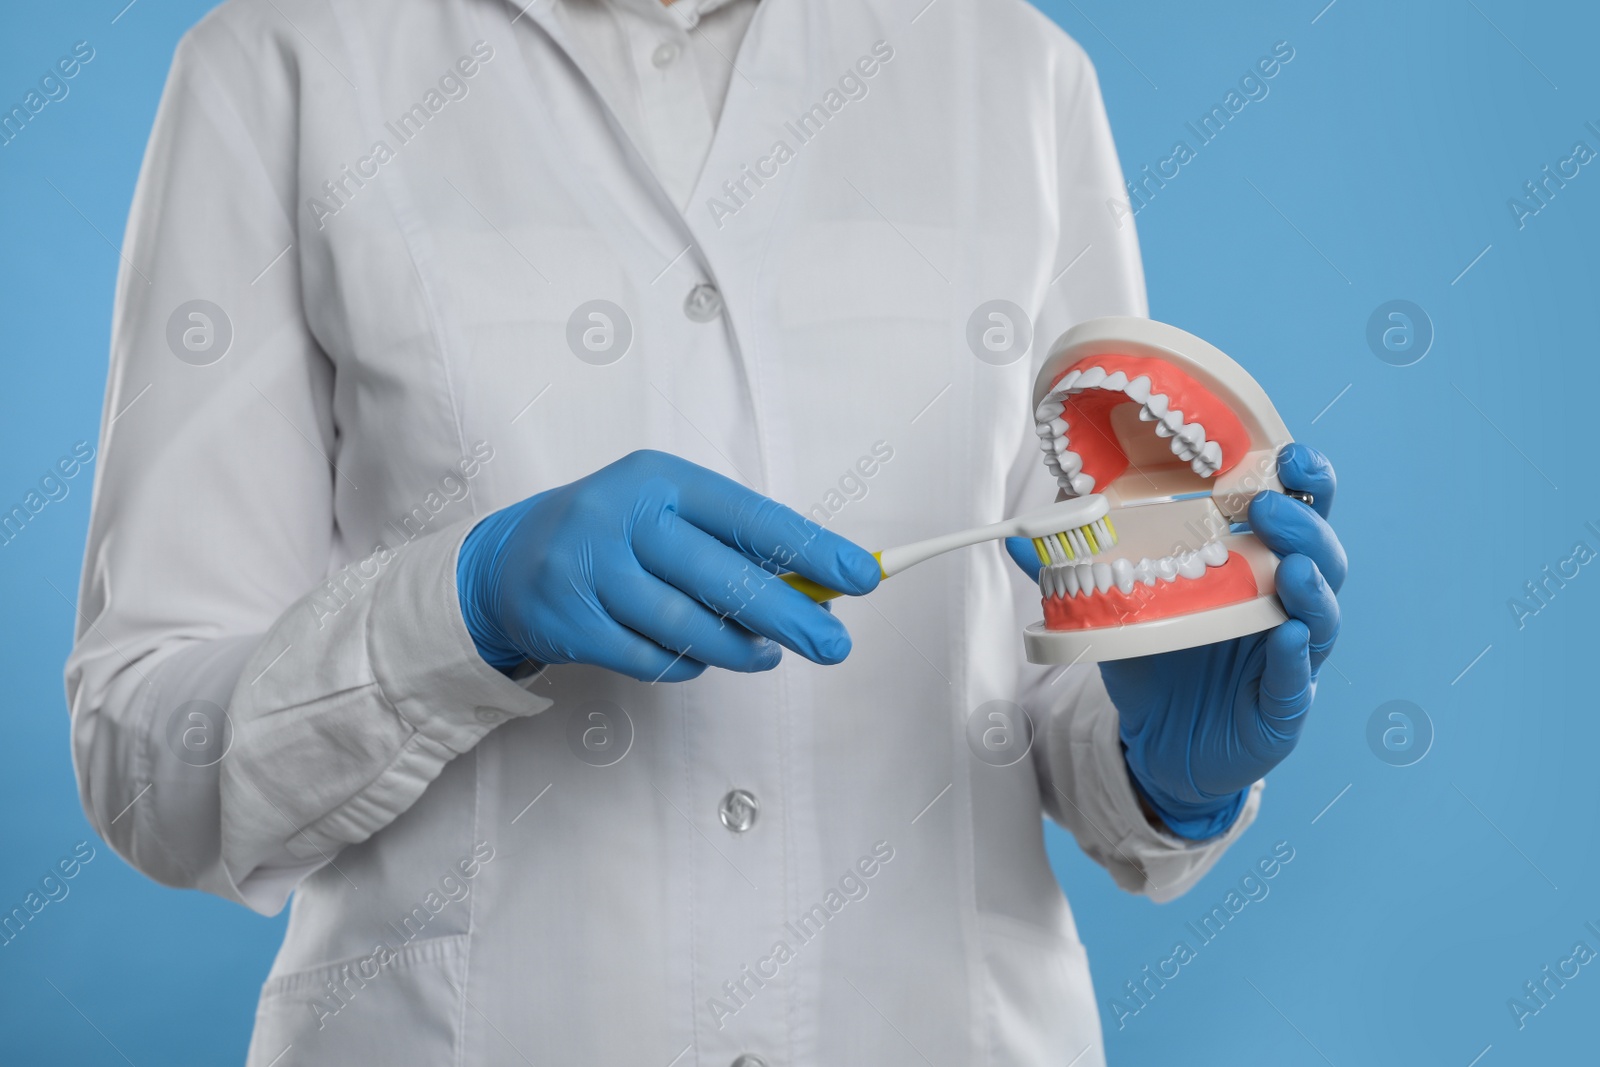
686,13
784,53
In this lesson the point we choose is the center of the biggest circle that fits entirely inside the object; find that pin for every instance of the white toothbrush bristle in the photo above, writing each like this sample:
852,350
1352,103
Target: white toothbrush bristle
1077,543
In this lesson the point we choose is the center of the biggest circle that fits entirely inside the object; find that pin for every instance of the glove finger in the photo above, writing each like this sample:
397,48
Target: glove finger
1286,686
655,610
1305,468
1022,552
1306,597
766,530
691,560
616,648
1287,527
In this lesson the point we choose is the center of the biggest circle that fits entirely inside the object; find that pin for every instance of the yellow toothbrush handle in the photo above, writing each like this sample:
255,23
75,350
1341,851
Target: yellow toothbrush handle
817,591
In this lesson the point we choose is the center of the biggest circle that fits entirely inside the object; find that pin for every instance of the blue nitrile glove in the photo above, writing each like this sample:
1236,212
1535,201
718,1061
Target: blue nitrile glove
1200,725
652,567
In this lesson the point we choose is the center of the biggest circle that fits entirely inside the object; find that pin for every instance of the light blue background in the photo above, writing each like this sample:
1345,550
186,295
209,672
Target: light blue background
1378,168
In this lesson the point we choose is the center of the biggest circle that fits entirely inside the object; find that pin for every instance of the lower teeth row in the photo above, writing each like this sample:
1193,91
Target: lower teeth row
1074,579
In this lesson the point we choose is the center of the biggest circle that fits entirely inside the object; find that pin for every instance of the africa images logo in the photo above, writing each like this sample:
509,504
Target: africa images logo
453,85
852,85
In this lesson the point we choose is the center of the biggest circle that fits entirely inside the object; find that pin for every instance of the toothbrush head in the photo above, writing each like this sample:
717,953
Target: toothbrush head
1068,530
1076,544
1175,439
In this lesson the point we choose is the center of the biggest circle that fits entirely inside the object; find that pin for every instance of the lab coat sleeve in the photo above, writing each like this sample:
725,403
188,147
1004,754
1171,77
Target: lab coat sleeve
208,580
1083,779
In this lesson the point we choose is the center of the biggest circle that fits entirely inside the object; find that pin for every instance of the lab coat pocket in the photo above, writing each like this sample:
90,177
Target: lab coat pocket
1040,1004
390,1007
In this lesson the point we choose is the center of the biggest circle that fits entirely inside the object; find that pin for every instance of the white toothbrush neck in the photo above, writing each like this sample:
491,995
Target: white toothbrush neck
895,560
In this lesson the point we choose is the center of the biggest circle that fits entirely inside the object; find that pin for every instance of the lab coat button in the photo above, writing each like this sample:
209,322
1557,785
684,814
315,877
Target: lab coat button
489,716
738,811
703,303
748,1060
664,54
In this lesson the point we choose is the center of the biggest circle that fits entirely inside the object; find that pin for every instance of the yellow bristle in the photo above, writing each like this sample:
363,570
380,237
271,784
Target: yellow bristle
1106,539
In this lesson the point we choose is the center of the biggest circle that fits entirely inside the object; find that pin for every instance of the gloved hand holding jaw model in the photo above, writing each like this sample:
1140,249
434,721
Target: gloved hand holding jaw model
1210,632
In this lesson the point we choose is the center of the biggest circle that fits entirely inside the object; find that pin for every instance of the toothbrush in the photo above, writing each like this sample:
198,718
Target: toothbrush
1066,530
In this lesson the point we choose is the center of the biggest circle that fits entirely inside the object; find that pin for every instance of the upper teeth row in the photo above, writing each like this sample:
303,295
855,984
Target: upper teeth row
1188,440
1082,579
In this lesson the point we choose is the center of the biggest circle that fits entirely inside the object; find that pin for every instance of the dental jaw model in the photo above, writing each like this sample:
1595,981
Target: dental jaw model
1177,438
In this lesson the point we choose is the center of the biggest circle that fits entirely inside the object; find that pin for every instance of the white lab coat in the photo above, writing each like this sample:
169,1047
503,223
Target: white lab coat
466,888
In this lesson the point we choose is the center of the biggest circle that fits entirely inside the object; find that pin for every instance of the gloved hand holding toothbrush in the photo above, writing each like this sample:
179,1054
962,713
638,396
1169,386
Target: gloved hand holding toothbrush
1200,725
652,567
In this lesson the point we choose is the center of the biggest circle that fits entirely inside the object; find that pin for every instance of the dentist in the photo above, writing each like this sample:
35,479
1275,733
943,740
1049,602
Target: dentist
461,355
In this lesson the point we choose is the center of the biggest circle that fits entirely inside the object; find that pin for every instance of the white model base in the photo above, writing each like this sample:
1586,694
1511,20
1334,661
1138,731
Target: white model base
1149,638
